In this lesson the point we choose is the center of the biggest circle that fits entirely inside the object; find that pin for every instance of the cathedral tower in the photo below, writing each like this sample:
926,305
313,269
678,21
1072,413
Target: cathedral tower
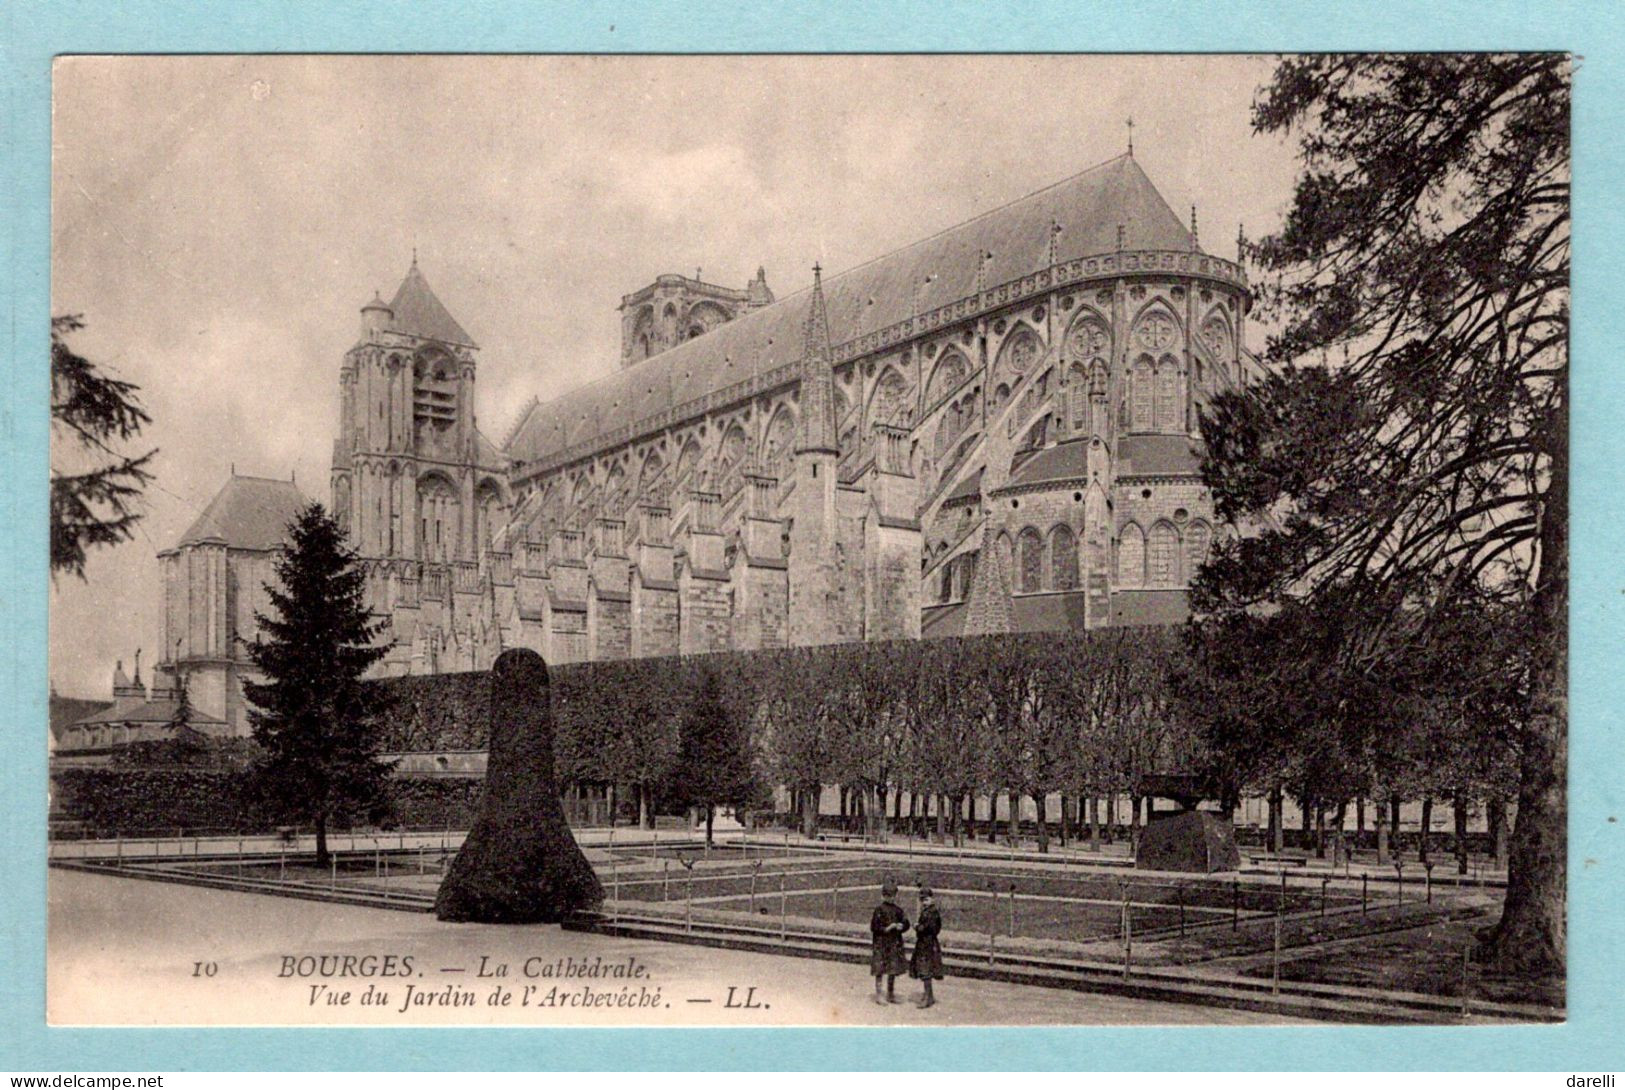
412,477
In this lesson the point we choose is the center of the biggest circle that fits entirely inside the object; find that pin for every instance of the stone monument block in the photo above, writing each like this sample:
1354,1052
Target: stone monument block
1194,841
519,864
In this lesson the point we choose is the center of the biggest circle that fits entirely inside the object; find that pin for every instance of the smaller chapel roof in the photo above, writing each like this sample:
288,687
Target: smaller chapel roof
1149,607
1157,456
248,513
966,489
147,711
1062,462
1049,612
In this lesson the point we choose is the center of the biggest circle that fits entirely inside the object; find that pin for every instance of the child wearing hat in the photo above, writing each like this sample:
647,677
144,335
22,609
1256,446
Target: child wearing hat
926,965
886,929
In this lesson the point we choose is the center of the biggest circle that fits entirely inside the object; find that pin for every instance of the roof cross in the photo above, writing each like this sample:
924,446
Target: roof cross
1131,135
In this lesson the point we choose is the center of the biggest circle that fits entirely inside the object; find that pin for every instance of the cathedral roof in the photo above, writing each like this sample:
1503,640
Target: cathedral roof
248,513
418,312
1089,208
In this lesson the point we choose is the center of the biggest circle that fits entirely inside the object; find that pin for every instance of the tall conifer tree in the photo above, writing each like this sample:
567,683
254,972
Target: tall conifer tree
314,721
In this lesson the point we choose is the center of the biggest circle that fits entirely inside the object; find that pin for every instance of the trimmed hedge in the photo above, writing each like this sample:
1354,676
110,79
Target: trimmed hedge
159,801
433,712
133,800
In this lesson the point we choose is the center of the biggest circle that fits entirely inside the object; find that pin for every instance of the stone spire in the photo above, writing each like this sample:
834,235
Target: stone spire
1195,245
817,377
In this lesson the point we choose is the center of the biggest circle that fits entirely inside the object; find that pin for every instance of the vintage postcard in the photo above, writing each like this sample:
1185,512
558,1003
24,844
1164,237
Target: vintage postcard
883,540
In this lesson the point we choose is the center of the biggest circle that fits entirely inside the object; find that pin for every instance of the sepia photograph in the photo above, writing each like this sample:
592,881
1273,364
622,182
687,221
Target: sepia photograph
903,540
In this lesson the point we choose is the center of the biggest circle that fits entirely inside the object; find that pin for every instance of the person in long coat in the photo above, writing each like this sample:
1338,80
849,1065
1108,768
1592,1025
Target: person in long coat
886,927
926,964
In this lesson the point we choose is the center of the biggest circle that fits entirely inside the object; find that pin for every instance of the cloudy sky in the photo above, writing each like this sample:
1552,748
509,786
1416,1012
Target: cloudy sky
218,222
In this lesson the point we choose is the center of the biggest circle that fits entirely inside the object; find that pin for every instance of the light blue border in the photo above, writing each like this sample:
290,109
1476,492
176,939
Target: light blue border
34,30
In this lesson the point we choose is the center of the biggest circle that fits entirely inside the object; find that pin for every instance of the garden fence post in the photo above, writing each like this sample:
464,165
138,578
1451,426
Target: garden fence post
333,880
1012,910
1399,871
688,902
615,887
665,879
1128,934
1466,980
784,927
1427,873
1235,903
1275,961
1364,878
834,892
992,920
1323,882
118,849
1180,892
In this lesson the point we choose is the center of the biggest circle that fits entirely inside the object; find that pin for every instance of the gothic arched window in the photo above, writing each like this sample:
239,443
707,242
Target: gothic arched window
1198,540
966,564
1077,394
951,370
890,399
1140,395
1063,547
489,516
1167,395
1162,555
779,443
1131,558
438,515
1030,548
731,461
1021,350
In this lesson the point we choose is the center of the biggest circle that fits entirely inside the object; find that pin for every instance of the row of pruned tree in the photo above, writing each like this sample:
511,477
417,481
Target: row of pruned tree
942,723
1311,701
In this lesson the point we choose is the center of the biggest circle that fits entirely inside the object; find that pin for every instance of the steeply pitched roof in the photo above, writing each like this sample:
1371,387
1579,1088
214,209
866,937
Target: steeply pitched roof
1048,612
1089,208
248,513
940,620
420,313
147,711
1157,456
968,488
1143,607
1063,461
66,710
